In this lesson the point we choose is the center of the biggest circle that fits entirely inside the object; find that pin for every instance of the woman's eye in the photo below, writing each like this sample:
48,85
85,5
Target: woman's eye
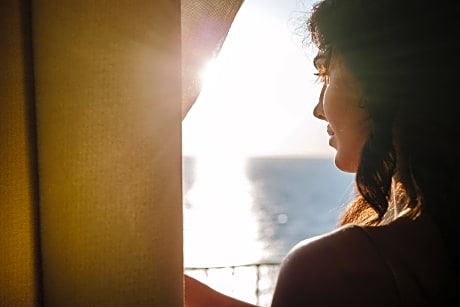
323,74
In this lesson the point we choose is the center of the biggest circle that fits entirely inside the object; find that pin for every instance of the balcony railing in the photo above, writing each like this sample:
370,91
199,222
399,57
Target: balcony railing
253,282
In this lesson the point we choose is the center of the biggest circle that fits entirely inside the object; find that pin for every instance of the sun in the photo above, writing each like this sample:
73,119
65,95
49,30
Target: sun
209,72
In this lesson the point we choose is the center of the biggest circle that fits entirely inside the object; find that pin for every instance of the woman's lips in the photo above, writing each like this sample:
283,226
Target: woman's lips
331,136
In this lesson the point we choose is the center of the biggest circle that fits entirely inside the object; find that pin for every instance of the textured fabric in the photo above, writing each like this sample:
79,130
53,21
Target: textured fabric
90,143
18,201
108,107
205,24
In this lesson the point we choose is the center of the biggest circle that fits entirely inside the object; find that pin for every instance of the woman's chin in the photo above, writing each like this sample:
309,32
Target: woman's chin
345,166
332,142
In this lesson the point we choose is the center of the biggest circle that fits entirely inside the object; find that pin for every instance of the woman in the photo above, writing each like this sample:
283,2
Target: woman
390,102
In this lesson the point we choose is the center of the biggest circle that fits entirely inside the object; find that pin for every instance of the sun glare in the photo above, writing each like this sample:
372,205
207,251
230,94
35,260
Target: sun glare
257,95
220,204
209,72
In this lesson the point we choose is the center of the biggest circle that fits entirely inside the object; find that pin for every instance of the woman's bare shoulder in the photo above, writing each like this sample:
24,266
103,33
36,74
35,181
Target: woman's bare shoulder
339,268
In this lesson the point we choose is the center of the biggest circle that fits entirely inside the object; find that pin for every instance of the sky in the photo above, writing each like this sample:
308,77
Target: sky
258,95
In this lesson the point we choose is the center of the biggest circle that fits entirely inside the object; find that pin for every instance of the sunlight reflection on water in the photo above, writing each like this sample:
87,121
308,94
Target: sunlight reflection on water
220,229
220,207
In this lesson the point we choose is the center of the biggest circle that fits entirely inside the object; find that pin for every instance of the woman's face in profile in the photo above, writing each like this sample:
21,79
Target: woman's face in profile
339,105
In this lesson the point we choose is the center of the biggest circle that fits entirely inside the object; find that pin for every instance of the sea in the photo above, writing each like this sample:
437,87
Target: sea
243,215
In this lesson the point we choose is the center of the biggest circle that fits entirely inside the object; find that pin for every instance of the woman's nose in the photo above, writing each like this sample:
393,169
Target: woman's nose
318,111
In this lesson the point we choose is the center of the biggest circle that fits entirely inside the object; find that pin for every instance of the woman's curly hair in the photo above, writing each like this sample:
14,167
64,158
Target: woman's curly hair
401,53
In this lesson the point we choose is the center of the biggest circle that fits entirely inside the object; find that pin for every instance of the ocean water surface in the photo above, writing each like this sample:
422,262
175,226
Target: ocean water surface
247,211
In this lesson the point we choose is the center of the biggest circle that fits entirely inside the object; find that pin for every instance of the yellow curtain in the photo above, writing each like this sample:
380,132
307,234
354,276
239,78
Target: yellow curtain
90,123
19,249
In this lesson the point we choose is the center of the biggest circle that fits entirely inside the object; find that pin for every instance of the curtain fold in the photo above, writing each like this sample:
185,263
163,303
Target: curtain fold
19,253
205,24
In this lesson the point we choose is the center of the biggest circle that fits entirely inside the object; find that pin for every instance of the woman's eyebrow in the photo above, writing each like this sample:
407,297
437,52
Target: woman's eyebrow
322,59
319,60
